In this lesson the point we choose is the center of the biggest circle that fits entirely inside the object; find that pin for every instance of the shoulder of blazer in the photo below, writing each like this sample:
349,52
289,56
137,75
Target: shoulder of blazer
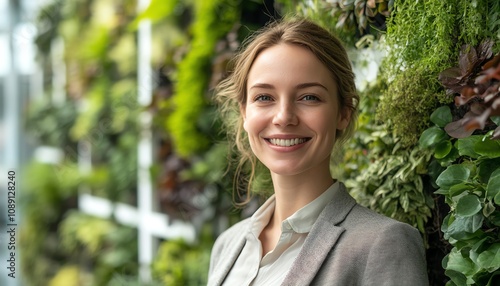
226,250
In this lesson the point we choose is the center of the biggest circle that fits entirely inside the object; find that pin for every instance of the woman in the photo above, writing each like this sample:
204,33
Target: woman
294,89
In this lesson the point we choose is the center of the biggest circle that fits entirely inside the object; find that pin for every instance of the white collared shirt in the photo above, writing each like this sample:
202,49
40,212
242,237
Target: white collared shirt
250,269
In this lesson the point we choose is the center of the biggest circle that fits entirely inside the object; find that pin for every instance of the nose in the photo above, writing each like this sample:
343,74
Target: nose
285,115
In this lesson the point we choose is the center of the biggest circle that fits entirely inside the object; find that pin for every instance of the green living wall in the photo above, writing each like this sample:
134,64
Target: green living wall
426,151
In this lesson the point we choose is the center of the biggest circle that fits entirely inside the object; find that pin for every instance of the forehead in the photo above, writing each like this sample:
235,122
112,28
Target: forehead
288,64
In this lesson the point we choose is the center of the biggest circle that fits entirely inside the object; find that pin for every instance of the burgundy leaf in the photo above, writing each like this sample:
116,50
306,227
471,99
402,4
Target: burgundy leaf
466,94
456,129
489,97
451,79
495,107
484,50
478,122
494,62
484,78
476,108
467,60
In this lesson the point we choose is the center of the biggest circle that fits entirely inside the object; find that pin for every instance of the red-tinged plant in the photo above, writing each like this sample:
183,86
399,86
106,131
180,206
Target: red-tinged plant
476,84
361,13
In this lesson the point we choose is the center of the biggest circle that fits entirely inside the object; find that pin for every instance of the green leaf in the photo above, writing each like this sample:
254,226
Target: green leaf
487,147
432,136
453,175
496,119
442,192
442,149
450,158
441,116
463,228
488,209
458,189
461,264
468,205
493,187
456,277
490,258
486,168
465,146
479,247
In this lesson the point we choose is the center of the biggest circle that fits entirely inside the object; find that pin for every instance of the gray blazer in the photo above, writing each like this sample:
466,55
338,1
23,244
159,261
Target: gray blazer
348,245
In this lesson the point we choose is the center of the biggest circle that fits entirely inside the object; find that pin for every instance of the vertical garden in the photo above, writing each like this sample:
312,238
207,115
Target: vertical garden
427,149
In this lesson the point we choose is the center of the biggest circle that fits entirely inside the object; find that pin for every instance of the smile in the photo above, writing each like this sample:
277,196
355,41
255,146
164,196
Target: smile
287,142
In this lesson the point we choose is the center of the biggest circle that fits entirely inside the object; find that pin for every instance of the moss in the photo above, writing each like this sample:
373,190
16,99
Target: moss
406,104
424,38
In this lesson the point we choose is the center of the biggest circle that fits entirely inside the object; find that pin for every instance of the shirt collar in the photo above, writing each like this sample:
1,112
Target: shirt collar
261,217
301,221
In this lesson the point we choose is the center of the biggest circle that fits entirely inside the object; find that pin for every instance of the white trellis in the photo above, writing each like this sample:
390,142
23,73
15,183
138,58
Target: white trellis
151,225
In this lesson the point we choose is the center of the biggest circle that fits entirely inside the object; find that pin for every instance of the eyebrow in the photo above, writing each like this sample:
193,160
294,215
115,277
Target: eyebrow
299,86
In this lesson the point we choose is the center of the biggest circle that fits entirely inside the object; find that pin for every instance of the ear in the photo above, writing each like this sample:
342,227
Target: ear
244,116
344,118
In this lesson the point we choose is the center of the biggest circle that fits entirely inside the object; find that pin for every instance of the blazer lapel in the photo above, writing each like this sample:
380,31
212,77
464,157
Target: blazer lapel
226,261
322,238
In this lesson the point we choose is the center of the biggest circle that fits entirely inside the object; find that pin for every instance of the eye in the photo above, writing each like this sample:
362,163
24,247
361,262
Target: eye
263,97
310,97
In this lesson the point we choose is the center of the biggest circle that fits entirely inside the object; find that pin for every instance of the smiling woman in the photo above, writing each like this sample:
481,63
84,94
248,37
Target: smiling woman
292,91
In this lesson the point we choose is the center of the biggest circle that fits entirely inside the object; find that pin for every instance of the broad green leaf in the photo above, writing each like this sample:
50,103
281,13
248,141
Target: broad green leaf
465,146
465,227
456,277
450,158
453,175
479,247
442,149
468,205
441,116
493,187
487,147
490,258
461,264
432,136
458,189
486,168
488,209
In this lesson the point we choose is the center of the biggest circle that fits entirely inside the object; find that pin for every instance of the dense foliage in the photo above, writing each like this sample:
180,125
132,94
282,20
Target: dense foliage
468,175
423,37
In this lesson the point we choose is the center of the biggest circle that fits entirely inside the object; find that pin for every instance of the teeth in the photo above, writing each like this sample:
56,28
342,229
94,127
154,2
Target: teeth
287,142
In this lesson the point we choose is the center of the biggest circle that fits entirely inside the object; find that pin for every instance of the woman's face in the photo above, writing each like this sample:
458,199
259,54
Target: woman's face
292,112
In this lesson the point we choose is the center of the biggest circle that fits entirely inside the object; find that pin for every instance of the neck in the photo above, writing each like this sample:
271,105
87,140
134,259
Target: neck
294,192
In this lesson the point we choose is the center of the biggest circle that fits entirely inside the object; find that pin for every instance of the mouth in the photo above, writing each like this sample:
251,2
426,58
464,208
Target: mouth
287,142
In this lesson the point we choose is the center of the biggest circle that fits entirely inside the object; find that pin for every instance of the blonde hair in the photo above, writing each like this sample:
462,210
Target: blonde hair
231,95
